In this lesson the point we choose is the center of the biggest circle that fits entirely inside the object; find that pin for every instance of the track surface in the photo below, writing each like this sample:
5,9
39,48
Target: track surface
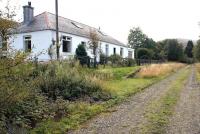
129,114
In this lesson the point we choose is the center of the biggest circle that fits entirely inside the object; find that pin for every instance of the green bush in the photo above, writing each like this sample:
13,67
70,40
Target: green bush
116,60
196,51
69,83
31,93
144,53
129,62
81,54
103,59
21,106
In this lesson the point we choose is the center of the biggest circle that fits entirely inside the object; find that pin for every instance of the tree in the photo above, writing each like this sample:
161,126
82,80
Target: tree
7,24
188,49
174,50
81,54
136,38
196,51
93,44
144,53
160,52
149,43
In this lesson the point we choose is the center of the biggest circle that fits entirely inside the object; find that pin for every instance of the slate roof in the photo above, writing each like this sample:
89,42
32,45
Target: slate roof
46,21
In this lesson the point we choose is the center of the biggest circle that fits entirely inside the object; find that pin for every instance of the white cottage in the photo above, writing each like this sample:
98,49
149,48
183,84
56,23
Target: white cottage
37,33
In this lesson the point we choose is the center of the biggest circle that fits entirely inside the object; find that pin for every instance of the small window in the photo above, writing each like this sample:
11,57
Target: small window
114,50
107,50
27,44
121,52
130,54
66,44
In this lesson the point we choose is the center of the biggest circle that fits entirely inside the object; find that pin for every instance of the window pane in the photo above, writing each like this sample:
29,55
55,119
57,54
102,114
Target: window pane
114,50
107,50
121,52
130,55
65,48
27,44
28,38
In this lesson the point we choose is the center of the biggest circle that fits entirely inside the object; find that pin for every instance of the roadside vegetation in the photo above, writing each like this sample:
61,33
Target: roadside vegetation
119,88
197,66
159,111
156,70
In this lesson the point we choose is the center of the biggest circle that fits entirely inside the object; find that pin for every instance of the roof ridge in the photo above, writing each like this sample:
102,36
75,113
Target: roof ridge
84,24
72,20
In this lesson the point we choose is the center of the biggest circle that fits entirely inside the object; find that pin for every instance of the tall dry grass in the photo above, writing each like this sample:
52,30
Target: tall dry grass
156,70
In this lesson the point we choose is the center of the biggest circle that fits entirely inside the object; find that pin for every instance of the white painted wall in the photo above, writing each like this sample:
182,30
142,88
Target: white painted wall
41,40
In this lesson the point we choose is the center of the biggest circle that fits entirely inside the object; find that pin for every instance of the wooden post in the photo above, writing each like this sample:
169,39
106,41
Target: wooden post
57,32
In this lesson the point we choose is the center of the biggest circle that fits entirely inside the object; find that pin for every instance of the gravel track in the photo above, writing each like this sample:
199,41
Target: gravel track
186,118
128,114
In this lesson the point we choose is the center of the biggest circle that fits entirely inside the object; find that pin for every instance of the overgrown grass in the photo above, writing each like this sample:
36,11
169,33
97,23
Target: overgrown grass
156,70
112,81
159,111
117,73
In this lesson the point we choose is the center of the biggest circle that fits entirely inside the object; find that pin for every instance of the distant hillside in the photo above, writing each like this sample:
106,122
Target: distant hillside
185,41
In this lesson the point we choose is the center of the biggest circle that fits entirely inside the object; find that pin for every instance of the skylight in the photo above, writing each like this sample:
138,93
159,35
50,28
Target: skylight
77,25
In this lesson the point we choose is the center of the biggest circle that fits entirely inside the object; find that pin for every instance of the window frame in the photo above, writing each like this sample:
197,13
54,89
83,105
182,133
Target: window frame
107,50
26,46
130,54
121,51
68,39
114,50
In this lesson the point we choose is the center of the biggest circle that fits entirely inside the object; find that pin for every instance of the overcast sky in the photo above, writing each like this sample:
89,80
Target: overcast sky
159,19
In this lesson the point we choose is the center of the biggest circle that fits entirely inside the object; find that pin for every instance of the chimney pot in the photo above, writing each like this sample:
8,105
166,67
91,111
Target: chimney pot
29,3
28,13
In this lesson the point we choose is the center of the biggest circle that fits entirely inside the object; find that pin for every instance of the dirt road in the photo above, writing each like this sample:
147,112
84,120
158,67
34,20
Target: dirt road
131,113
186,118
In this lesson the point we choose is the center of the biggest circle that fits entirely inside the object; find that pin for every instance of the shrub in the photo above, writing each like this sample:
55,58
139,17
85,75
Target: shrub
144,53
129,62
31,93
69,83
21,106
81,54
116,60
103,59
197,51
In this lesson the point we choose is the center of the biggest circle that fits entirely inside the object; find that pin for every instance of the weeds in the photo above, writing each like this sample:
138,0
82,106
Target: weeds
156,70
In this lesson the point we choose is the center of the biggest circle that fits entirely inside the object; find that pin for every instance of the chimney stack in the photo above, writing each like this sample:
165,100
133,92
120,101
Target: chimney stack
28,13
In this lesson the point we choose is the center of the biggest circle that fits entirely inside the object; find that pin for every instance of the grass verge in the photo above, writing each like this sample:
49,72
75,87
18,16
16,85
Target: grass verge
197,66
159,111
119,88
